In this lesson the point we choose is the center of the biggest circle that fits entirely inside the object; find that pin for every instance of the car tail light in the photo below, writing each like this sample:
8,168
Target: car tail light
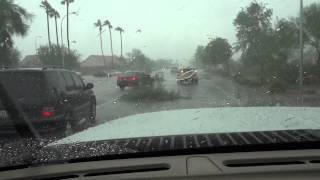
47,112
133,78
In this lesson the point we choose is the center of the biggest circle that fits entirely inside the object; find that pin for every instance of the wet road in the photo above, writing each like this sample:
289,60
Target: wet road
212,91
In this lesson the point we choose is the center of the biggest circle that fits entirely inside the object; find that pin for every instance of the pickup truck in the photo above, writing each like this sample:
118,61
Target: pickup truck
187,76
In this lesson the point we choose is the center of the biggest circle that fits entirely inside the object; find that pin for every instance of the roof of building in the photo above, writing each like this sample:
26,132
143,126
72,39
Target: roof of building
98,60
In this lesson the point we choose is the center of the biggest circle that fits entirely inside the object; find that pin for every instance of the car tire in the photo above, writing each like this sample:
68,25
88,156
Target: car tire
71,122
93,113
122,87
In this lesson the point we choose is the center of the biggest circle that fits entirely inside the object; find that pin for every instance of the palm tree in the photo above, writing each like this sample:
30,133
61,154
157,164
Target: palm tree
67,2
120,31
107,23
56,15
47,7
13,21
99,25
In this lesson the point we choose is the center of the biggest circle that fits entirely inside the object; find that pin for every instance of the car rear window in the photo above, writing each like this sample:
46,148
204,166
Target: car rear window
24,84
132,73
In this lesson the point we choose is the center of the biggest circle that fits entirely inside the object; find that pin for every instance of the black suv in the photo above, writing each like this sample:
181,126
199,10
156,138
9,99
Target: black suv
51,99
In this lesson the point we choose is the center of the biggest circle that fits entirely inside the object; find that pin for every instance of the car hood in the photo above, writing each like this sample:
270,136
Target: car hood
201,121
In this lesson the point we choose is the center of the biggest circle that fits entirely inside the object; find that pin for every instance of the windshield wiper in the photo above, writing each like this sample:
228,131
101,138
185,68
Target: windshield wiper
16,115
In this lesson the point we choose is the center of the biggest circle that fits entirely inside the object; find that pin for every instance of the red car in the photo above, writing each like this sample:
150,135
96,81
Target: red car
133,79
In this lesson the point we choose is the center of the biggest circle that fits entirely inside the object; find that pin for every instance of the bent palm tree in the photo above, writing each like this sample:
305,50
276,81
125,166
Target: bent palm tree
47,7
56,15
13,21
67,3
120,31
107,23
99,25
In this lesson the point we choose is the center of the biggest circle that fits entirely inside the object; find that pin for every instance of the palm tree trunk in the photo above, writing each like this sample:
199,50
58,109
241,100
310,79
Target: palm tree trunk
111,47
68,26
121,42
48,26
55,19
104,60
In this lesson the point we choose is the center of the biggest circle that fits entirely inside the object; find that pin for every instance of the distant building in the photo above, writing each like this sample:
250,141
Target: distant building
30,61
98,61
95,63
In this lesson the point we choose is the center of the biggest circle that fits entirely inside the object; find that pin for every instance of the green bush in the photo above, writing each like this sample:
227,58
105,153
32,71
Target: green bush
246,82
150,94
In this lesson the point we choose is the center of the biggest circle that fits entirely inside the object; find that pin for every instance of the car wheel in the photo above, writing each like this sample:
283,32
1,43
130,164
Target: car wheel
93,113
122,87
72,124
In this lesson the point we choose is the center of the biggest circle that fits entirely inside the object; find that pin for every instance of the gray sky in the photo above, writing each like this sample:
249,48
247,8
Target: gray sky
170,28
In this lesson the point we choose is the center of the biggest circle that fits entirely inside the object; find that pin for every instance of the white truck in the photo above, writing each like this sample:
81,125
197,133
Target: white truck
187,76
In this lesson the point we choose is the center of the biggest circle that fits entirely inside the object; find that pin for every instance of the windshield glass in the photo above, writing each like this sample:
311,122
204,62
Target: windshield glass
78,71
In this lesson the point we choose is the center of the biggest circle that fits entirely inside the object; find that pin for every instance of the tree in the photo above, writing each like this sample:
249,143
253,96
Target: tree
312,26
13,22
139,61
56,15
253,25
287,35
200,56
67,3
120,31
99,25
218,51
48,9
53,57
107,23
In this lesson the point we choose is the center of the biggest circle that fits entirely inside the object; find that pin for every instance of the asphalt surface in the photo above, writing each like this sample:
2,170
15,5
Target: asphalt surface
212,91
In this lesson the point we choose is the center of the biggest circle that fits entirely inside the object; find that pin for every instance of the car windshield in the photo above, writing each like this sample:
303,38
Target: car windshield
79,71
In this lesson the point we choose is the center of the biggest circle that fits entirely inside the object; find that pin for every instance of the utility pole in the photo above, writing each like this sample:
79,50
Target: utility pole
301,54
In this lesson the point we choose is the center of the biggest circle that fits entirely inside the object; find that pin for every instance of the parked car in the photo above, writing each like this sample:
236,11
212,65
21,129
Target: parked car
100,74
113,73
133,79
51,99
187,76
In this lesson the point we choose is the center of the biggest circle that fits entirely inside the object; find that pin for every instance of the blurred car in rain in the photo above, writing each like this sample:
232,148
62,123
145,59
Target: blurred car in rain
134,79
100,74
187,76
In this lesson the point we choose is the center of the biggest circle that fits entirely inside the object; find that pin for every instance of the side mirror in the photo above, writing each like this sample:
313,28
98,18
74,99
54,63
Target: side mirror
89,86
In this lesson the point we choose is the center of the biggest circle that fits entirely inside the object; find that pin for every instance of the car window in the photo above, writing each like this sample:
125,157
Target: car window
54,80
70,84
78,81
